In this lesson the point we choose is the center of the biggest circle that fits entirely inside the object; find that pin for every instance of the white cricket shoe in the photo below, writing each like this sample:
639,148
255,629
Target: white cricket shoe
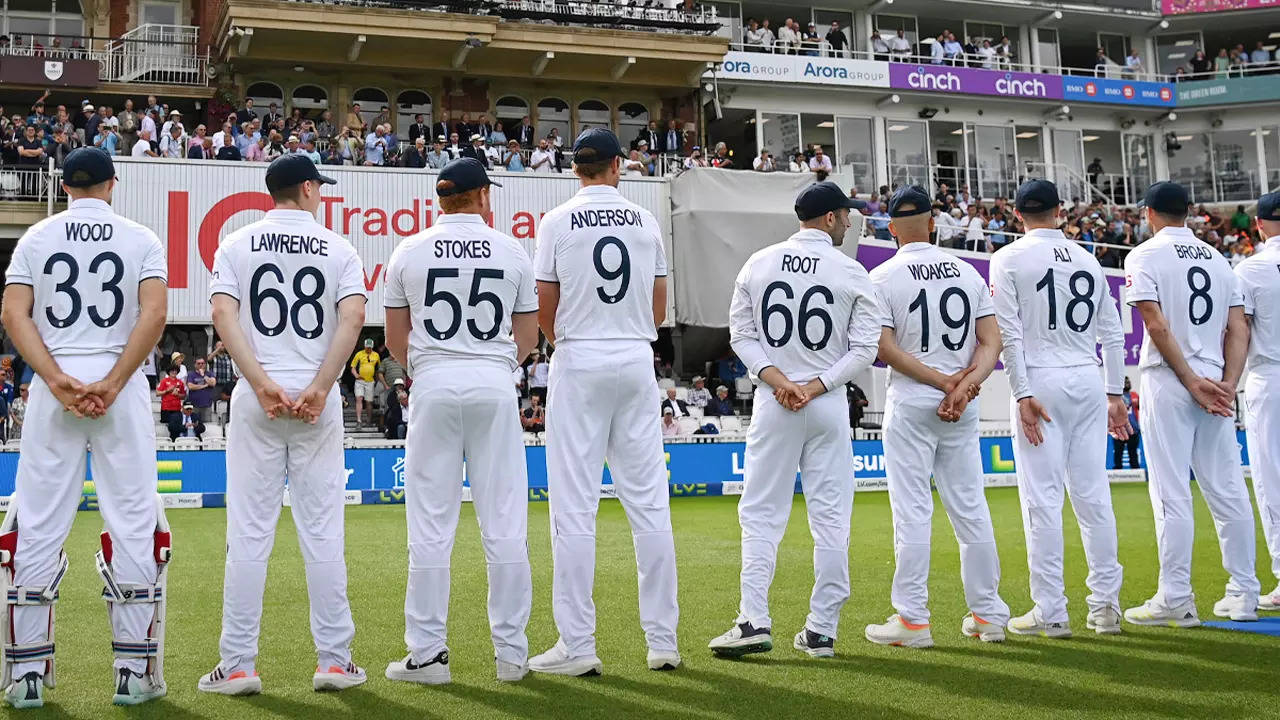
900,633
240,682
135,688
1104,621
337,677
814,644
511,672
1236,607
558,661
1033,624
742,639
663,659
26,691
433,672
974,626
1271,601
1152,613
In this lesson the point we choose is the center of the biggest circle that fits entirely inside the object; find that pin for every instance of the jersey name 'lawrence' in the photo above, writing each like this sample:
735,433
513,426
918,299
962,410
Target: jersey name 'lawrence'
285,243
934,271
605,217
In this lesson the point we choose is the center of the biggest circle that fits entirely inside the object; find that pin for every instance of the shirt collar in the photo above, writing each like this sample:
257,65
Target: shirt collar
1272,243
604,190
460,218
91,204
811,235
1180,231
912,247
290,215
1046,234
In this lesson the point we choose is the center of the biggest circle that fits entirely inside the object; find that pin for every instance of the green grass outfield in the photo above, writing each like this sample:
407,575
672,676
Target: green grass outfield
1146,672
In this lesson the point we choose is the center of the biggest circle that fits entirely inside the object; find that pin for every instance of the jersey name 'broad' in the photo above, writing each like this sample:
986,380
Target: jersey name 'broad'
1192,252
604,218
286,243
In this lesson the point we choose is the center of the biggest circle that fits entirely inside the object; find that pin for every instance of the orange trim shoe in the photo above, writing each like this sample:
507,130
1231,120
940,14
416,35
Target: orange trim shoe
974,626
337,677
900,633
240,682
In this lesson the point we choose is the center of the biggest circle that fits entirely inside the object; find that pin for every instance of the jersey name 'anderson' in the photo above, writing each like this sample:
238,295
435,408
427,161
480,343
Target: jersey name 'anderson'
604,217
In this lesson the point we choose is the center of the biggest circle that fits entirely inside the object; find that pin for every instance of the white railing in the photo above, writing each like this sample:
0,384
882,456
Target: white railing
26,184
159,54
665,16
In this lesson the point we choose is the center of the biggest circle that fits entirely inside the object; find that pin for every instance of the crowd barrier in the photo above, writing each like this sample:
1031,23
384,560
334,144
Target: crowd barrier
375,476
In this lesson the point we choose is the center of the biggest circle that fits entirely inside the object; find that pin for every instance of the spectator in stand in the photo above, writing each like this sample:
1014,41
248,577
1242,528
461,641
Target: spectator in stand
355,121
463,127
416,156
789,37
936,52
477,150
201,387
1107,257
670,428
720,405
293,146
974,238
1133,64
837,40
721,158
672,140
498,136
880,224
1259,56
987,55
418,129
539,372
246,113
92,119
396,419
442,128
820,162
857,405
273,114
799,163
647,135
763,163
811,41
309,149
186,423
695,159
364,368
274,147
543,159
174,144
171,390
1130,399
129,124
454,149
675,405
325,128
952,50
996,225
768,38
753,38
633,166
699,396
1004,51
942,225
525,132
1201,66
437,157
879,46
513,160
224,370
900,46
18,412
202,151
375,147
534,418
108,137
59,147
142,147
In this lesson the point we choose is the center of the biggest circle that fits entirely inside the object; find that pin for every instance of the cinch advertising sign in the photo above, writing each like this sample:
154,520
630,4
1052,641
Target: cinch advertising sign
974,81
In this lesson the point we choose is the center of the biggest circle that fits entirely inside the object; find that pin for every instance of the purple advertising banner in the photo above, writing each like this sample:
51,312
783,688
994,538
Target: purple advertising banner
1183,7
974,81
872,255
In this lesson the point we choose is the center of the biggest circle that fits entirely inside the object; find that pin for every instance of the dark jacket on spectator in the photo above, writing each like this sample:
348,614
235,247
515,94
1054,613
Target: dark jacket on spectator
229,152
393,419
480,155
649,136
419,130
178,428
678,407
196,152
719,407
524,133
413,159
442,129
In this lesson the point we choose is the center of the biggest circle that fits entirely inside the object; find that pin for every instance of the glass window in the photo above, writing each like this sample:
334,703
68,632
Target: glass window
592,113
1115,45
632,118
729,14
1175,51
510,109
992,161
1235,164
1068,157
781,134
409,104
553,113
1189,163
907,142
1030,153
1137,158
854,152
1271,148
159,13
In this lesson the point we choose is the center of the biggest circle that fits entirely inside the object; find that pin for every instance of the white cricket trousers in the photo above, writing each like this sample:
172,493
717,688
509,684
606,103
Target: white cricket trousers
1072,459
917,444
1179,436
466,411
602,404
816,441
1262,429
261,453
50,481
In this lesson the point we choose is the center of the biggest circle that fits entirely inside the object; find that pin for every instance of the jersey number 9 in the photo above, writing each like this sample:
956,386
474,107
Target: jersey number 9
621,272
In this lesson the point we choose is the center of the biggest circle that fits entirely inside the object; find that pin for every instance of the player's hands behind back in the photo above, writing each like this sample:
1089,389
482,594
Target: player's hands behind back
275,402
1118,419
70,393
1214,397
794,397
310,404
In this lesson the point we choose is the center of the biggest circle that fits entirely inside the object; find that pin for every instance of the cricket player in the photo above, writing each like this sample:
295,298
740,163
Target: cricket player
1193,355
454,295
1260,285
84,302
288,301
1054,309
805,321
939,337
602,293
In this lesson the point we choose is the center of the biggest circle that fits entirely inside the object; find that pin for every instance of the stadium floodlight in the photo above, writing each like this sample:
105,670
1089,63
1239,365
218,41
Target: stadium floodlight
1170,116
888,101
879,5
1058,112
1162,25
1050,17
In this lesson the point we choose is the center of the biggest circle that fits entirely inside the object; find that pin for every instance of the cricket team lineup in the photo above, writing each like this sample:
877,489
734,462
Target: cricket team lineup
465,304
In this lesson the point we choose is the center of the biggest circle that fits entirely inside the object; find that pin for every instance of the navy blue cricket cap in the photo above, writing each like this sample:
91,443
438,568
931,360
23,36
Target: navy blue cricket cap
1269,207
1036,196
596,144
1167,198
912,195
821,198
293,169
464,174
87,166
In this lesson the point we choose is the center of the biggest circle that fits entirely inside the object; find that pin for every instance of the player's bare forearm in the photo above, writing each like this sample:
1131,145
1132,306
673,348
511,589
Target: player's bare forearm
892,354
350,322
1162,337
397,329
659,301
548,302
524,328
16,317
153,305
987,352
1235,347
226,321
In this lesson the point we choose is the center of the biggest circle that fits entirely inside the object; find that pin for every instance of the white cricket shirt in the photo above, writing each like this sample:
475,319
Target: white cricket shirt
289,273
605,252
1260,286
84,266
1195,287
461,281
931,300
1054,308
806,308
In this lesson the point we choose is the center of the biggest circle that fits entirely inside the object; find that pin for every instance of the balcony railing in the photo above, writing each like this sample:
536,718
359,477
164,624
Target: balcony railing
652,15
151,54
